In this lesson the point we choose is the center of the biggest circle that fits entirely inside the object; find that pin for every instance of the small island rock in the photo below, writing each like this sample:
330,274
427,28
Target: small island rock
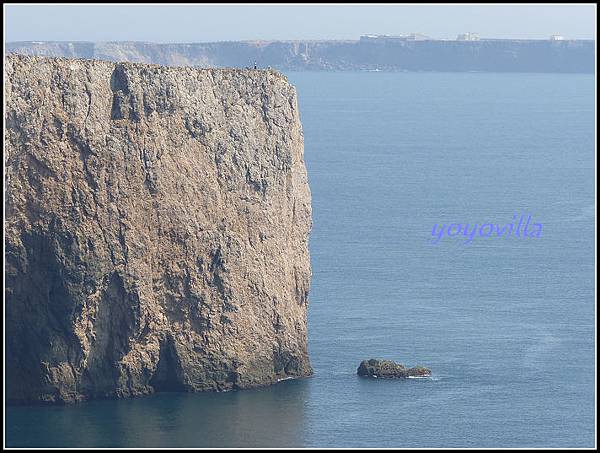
389,369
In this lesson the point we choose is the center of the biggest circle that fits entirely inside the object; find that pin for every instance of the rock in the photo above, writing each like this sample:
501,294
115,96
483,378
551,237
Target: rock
418,371
157,223
387,369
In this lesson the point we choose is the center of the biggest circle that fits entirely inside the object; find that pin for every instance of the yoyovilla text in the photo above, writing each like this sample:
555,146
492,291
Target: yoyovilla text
468,232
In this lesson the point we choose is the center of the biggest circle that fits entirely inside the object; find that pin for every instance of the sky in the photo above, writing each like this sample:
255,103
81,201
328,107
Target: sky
202,23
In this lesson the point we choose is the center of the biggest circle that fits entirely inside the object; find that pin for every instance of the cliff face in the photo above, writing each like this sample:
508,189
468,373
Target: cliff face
502,55
157,222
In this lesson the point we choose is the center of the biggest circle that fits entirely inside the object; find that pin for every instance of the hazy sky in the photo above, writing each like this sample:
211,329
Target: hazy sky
188,23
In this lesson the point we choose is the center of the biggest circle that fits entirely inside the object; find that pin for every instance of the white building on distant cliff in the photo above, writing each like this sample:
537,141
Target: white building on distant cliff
394,38
468,37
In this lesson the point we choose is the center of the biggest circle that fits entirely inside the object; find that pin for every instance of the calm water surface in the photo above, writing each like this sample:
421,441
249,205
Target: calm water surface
506,324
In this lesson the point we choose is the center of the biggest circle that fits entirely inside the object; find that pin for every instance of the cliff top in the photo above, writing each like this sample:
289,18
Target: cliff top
149,66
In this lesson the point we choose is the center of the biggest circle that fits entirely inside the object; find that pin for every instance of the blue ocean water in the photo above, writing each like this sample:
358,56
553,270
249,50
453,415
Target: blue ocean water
506,324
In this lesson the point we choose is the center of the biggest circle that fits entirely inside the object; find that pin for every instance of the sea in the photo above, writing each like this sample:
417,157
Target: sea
505,322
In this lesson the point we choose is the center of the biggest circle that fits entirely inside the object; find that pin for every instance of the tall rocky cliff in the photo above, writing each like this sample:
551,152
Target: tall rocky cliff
486,55
157,222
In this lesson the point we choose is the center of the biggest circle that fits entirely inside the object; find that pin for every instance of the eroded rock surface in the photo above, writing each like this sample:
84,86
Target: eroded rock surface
157,222
389,369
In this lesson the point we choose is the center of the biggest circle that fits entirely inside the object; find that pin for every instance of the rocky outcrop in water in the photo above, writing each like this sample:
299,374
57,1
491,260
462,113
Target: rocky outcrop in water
157,222
486,55
387,369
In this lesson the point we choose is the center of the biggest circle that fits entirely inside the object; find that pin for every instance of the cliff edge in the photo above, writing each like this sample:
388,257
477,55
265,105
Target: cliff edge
157,224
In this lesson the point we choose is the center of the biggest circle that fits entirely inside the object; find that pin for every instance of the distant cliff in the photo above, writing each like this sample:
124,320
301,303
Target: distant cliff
454,56
157,223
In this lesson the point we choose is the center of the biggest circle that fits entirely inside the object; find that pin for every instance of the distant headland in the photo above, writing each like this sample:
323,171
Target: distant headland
412,52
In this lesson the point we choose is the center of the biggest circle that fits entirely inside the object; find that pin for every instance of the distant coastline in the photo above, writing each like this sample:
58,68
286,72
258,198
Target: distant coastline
371,52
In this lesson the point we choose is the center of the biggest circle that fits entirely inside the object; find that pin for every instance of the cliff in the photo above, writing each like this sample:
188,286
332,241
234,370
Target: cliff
490,55
156,224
